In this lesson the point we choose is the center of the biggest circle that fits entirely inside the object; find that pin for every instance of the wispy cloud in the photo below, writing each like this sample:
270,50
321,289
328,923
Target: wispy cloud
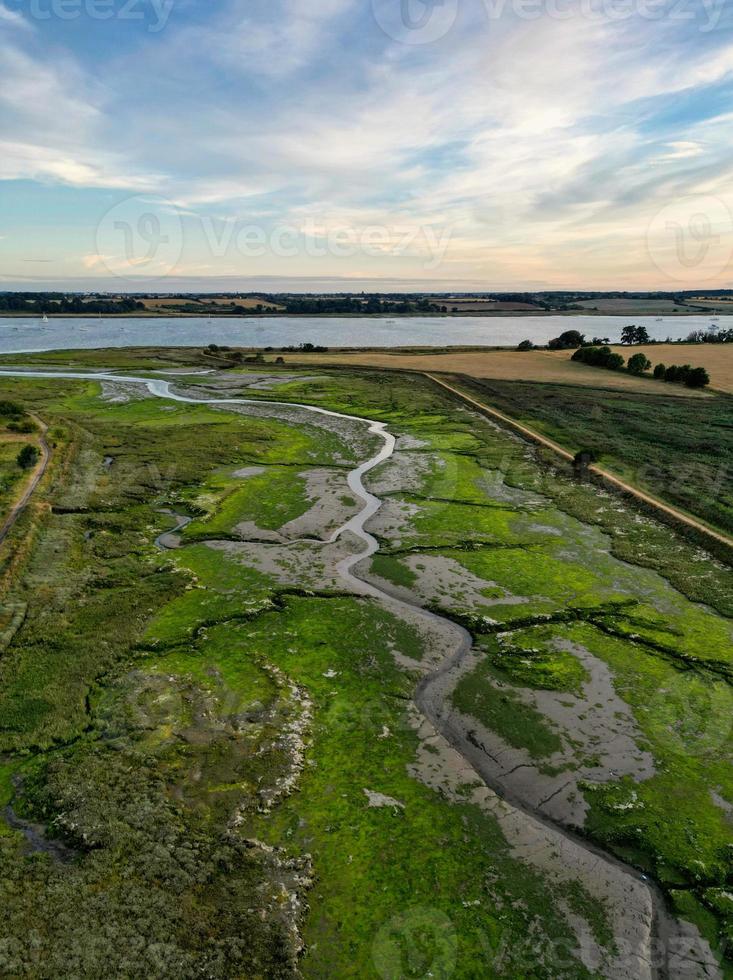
544,146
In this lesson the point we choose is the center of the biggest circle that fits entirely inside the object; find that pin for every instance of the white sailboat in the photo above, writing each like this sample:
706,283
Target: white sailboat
45,319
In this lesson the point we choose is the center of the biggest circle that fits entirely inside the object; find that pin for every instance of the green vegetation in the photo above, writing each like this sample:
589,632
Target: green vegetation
687,467
189,747
638,363
27,457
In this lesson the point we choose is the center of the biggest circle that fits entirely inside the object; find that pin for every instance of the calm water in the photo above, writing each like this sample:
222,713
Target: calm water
23,334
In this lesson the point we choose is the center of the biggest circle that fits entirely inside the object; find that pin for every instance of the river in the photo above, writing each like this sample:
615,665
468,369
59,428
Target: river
25,334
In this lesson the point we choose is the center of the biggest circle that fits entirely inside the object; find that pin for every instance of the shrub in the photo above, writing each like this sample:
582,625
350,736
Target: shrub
27,457
525,345
660,372
638,364
11,410
567,340
697,378
599,357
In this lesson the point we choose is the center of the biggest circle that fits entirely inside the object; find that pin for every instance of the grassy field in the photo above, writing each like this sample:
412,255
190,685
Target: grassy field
681,456
201,738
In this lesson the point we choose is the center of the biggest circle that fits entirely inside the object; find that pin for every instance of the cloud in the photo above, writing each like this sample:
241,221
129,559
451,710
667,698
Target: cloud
543,146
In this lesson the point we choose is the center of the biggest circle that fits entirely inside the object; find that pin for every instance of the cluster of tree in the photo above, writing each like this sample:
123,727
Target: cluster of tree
639,364
599,357
710,337
693,377
306,348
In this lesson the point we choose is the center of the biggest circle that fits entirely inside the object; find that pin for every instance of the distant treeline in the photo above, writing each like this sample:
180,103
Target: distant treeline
349,305
62,303
631,335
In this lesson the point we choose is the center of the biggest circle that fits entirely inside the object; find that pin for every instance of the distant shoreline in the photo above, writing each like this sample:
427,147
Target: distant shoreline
459,315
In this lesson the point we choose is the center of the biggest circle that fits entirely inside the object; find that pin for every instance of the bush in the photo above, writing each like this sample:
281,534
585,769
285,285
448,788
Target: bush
25,426
697,378
27,457
525,345
11,410
638,364
693,377
599,357
567,340
660,372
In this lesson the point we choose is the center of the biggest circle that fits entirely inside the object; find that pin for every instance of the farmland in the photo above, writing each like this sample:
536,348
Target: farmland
548,367
220,755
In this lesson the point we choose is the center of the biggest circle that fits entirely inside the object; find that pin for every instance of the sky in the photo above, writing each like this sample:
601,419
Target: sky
366,144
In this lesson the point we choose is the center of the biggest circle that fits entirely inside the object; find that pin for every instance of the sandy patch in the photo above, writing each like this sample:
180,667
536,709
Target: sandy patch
597,729
562,861
445,582
248,471
298,564
404,472
333,504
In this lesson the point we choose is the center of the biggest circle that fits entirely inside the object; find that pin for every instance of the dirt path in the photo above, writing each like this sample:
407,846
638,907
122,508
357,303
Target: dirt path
633,491
36,477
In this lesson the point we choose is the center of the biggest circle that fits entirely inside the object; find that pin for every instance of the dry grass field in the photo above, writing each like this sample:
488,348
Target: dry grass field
548,366
167,303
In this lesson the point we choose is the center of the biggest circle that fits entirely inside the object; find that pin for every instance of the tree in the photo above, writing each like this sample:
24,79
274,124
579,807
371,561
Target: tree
567,340
634,335
628,334
583,459
525,345
615,362
27,457
639,363
660,372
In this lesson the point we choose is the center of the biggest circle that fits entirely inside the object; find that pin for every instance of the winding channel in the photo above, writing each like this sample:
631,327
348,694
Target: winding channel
657,960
